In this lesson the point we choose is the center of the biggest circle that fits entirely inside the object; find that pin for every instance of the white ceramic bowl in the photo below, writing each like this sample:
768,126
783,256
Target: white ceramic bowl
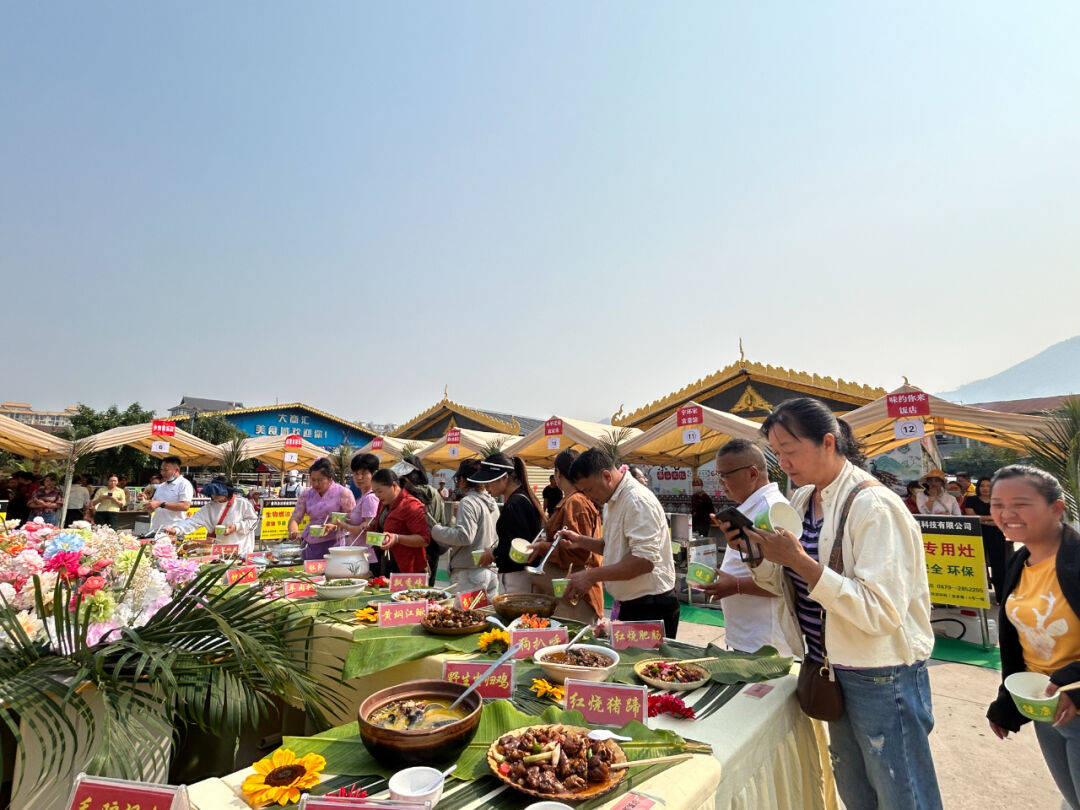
560,672
405,785
549,806
328,590
516,625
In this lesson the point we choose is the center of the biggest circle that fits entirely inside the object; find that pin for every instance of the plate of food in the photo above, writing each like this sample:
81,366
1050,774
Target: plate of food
585,662
451,621
340,588
673,676
530,621
416,594
557,762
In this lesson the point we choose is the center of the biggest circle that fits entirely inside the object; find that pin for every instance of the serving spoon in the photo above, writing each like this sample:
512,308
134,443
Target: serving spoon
601,734
506,656
539,569
439,779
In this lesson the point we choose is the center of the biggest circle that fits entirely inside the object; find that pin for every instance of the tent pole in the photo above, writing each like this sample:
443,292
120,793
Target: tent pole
70,465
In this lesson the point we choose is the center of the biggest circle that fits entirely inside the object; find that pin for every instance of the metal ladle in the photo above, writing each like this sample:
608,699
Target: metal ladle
534,569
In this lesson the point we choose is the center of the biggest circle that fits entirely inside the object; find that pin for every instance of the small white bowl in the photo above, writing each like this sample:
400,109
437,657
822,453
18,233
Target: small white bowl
404,785
560,672
549,806
328,590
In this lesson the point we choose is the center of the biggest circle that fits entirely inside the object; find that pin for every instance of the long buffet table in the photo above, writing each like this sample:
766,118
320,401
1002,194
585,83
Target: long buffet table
766,753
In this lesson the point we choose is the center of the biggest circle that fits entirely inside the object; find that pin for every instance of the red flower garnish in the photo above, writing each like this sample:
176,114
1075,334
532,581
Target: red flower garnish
64,563
350,792
92,585
669,704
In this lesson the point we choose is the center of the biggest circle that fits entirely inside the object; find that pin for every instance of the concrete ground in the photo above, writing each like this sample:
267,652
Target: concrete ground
975,769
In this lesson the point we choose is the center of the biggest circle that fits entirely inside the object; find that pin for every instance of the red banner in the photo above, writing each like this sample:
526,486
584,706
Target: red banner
376,443
691,415
161,427
293,441
606,703
553,427
245,575
453,436
646,635
902,405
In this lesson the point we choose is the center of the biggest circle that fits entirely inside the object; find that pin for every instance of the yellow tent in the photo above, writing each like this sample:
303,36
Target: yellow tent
23,440
473,444
540,446
271,450
191,449
874,427
390,449
663,443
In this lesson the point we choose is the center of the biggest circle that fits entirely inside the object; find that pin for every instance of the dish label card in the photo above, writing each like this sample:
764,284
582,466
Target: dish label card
95,792
225,549
297,588
499,684
533,640
646,635
757,690
314,566
631,801
244,575
606,703
396,614
473,600
403,582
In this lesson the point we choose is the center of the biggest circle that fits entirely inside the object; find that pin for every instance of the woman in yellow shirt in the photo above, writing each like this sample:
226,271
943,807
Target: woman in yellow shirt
108,501
1040,613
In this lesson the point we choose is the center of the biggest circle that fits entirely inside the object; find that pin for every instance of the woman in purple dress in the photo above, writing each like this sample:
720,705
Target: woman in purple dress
318,501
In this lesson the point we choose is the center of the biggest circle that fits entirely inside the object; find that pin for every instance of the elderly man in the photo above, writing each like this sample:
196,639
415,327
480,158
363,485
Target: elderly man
172,497
638,570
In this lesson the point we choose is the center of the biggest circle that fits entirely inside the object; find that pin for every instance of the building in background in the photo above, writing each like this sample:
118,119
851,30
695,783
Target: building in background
318,427
49,421
445,414
200,406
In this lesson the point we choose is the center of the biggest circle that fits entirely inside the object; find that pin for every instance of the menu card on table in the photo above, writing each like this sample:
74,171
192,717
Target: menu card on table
95,792
533,640
647,635
396,614
608,704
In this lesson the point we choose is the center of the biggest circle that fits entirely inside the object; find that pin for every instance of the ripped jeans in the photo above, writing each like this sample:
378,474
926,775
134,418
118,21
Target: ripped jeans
880,747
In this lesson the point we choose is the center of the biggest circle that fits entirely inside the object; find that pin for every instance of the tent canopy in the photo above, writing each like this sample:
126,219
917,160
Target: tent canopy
393,449
271,450
23,440
873,426
436,456
663,442
576,435
191,449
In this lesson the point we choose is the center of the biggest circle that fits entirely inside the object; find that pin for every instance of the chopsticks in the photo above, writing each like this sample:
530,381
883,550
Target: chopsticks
619,766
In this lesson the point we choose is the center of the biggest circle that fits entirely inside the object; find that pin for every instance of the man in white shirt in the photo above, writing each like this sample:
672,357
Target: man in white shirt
637,570
172,497
293,488
752,615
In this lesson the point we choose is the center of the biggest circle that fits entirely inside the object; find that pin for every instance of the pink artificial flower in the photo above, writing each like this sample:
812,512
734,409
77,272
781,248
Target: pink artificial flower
164,549
101,565
84,570
92,585
64,563
99,631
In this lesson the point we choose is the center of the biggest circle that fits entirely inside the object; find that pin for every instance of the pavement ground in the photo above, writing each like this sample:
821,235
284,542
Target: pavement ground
975,769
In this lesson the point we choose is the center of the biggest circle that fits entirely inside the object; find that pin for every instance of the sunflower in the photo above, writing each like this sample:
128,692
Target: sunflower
543,687
282,777
368,614
494,638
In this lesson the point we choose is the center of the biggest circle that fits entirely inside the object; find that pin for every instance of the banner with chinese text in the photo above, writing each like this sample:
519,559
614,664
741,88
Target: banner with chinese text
955,561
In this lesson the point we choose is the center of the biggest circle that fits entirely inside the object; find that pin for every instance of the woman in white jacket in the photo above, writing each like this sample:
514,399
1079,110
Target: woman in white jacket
869,620
474,530
232,514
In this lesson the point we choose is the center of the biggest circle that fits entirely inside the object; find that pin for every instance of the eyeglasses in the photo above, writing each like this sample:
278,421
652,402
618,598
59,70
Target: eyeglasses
729,473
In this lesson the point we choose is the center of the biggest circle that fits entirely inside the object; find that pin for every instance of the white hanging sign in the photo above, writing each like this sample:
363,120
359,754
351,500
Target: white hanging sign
909,429
691,435
554,442
452,450
159,446
291,458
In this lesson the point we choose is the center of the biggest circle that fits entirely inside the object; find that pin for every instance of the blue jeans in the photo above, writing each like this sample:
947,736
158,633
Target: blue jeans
1061,750
880,748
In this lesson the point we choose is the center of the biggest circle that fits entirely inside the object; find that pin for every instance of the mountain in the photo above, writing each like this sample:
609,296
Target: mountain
1051,372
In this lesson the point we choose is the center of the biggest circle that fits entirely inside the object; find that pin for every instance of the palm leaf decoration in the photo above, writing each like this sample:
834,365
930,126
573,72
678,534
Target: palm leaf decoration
1058,451
232,454
493,446
409,449
341,462
611,442
213,656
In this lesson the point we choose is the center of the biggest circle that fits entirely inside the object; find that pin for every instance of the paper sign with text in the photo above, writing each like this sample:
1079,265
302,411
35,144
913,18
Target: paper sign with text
533,640
452,451
900,406
553,427
290,458
500,684
691,435
298,588
453,436
159,446
377,443
274,518
403,582
224,549
690,415
96,792
396,614
293,441
955,561
631,801
646,635
244,575
554,442
607,703
472,600
314,566
909,429
161,427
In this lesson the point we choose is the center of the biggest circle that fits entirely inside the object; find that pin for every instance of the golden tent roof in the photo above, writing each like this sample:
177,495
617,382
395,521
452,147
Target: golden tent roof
873,426
271,450
473,444
663,443
576,434
191,449
28,442
392,449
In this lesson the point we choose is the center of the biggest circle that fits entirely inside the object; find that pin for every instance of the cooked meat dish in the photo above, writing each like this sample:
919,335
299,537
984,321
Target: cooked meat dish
579,658
674,672
553,759
415,714
416,596
453,617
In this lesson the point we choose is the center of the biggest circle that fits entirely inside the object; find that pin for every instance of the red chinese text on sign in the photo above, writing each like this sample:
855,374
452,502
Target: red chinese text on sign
314,566
161,427
690,415
913,404
606,703
293,440
244,575
533,640
553,427
396,614
376,443
402,582
499,684
646,635
453,436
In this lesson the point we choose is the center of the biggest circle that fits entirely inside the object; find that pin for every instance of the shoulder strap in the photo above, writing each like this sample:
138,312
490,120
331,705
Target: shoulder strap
835,558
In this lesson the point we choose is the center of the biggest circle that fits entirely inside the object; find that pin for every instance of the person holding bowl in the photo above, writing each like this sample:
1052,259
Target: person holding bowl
1039,628
318,502
472,535
228,518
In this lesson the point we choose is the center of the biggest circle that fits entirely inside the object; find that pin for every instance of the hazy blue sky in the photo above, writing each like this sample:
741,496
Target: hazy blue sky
550,207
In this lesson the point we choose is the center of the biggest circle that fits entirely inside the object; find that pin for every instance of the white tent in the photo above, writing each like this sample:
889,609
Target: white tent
543,443
28,442
390,449
665,442
472,444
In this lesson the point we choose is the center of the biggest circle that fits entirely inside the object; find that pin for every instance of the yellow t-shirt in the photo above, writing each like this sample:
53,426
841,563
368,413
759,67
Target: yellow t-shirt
1049,630
109,506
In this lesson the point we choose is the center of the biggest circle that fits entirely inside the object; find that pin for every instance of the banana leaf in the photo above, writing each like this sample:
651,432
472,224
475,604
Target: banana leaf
377,648
731,667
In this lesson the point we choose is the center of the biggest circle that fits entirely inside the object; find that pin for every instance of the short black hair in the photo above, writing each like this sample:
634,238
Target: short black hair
364,461
591,462
322,467
565,460
384,477
172,460
966,475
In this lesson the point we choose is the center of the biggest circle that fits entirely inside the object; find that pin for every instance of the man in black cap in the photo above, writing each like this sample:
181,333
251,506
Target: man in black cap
638,569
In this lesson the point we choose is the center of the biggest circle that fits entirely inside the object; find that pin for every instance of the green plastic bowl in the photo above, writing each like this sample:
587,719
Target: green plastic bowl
1027,689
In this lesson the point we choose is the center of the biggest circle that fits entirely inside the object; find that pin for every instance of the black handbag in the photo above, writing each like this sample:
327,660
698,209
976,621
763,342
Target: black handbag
820,695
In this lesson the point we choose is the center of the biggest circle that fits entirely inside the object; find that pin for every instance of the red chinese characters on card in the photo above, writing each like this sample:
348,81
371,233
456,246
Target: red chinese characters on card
294,441
244,575
225,549
160,427
377,443
473,600
298,588
314,566
646,635
453,436
92,793
403,582
690,415
499,684
533,640
631,801
396,614
553,427
915,403
607,703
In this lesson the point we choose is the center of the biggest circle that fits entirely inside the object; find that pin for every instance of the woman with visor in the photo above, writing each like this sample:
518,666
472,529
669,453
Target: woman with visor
227,514
520,516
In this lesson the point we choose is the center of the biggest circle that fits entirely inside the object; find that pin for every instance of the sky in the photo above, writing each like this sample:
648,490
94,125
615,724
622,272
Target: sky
548,208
